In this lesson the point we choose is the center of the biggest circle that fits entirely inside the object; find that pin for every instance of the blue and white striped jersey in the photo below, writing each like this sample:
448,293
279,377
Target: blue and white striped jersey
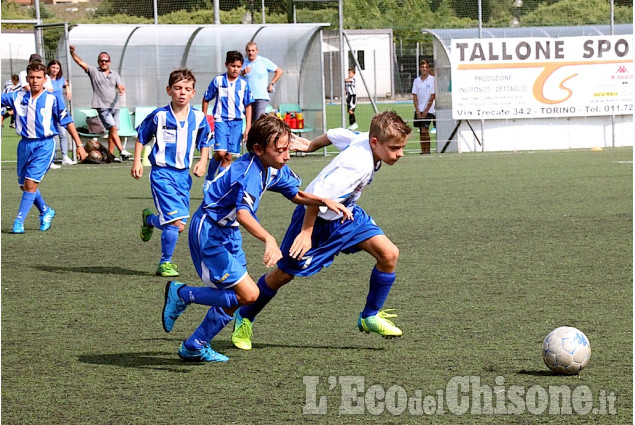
36,118
242,184
175,141
231,98
344,178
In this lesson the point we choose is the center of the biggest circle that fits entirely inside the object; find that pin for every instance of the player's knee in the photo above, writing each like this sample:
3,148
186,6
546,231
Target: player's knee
389,256
249,296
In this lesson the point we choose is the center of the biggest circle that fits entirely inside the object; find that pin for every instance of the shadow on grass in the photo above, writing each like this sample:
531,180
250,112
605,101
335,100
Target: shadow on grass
157,360
92,270
227,345
535,372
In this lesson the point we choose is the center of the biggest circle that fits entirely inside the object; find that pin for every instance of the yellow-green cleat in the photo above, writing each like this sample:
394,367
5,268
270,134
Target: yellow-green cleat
146,229
241,337
167,270
380,324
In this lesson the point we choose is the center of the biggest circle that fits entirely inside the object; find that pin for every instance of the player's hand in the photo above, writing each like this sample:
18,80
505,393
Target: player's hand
137,169
339,209
199,169
81,153
299,144
272,253
301,244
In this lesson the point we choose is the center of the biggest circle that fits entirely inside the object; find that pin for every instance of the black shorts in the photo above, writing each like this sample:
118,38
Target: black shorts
426,122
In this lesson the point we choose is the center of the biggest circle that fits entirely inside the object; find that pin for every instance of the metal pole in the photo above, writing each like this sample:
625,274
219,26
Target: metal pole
155,11
39,49
262,5
340,10
216,12
480,19
375,74
361,74
612,33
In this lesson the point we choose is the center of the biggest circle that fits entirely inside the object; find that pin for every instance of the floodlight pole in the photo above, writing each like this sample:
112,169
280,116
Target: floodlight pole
38,32
340,11
155,12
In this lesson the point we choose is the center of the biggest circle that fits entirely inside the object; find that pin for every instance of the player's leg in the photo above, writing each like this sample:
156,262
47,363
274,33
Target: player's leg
234,139
268,285
372,318
424,135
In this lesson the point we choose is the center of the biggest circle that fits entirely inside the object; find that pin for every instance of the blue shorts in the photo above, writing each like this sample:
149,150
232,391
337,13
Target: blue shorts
329,238
34,158
109,117
171,192
216,252
228,135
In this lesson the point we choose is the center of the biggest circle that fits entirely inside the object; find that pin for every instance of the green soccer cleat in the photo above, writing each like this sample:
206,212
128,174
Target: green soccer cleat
205,354
146,229
241,336
380,324
46,219
167,270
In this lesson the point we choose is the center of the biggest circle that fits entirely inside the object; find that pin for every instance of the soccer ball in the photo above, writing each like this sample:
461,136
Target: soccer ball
566,350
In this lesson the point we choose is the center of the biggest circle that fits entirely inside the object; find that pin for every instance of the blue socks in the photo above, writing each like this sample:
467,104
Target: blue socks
25,205
215,320
211,170
266,294
208,296
380,284
169,237
153,220
39,202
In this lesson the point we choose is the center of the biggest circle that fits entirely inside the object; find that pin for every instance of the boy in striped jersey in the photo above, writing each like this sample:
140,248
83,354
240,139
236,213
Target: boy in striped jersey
232,105
178,130
37,116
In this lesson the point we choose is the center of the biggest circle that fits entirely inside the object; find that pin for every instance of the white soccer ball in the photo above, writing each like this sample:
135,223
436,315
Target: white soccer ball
566,350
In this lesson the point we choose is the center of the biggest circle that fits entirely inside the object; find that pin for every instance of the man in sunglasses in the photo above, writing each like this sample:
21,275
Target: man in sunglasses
107,87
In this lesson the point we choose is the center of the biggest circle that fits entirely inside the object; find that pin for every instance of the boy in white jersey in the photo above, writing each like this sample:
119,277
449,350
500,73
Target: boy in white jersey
231,202
37,116
178,130
233,104
315,236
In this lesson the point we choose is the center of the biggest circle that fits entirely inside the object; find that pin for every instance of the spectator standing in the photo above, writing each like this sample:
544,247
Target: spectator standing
54,71
256,71
107,87
423,98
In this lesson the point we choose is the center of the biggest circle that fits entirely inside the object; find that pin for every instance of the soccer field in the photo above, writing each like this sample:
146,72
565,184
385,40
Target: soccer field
496,250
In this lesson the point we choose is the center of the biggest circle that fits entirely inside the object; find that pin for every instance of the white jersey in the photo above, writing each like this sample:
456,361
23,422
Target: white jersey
344,178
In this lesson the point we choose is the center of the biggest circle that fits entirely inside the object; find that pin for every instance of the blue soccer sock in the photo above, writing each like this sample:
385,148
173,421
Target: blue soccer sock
215,320
169,237
266,294
153,220
39,202
25,205
380,284
211,170
208,296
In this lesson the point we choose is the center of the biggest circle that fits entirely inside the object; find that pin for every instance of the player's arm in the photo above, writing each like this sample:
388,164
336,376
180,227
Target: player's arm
204,106
416,102
201,166
77,59
247,121
301,144
310,199
302,242
272,251
137,166
81,153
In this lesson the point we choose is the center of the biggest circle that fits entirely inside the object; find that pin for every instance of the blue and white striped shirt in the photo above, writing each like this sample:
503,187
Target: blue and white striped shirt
231,98
36,118
176,141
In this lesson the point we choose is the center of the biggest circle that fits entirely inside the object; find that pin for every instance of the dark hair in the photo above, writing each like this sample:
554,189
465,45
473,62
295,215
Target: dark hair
233,56
265,131
103,53
352,68
181,75
35,57
55,62
387,125
36,66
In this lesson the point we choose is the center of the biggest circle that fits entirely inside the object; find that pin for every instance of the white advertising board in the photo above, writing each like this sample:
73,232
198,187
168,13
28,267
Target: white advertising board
542,77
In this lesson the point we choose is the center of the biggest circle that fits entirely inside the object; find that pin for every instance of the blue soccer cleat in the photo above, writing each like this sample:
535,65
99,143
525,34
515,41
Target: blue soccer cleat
173,306
46,219
18,227
205,354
